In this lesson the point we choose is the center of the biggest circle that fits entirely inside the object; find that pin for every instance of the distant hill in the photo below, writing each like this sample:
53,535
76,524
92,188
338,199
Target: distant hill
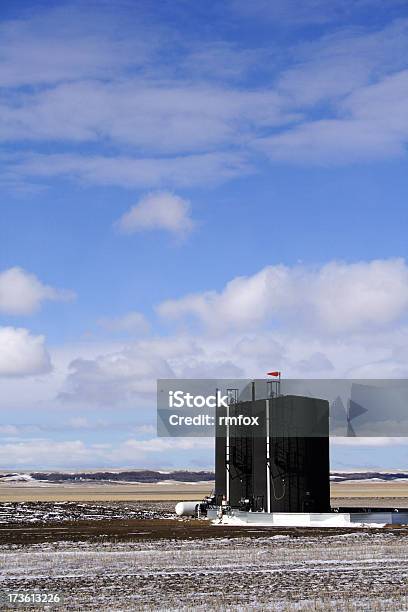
369,476
142,476
152,476
16,477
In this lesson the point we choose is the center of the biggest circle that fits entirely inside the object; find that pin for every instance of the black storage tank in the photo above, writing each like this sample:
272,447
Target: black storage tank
279,465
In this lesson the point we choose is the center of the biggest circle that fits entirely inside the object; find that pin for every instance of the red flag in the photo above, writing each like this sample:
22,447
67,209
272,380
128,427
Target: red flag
273,373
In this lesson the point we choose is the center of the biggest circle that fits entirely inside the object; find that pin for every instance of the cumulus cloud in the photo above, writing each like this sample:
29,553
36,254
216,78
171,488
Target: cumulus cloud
131,323
22,293
336,298
337,320
127,377
160,210
22,354
114,377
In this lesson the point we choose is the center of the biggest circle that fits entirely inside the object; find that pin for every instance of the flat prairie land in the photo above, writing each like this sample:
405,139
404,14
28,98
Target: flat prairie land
102,491
376,494
349,493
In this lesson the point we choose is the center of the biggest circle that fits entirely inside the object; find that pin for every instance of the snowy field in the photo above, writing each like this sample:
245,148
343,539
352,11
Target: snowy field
12,513
365,571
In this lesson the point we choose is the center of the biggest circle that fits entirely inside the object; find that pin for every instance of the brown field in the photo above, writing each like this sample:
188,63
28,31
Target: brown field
164,529
94,492
378,494
369,489
342,494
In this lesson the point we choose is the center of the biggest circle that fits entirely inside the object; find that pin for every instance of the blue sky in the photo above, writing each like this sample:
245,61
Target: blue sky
195,189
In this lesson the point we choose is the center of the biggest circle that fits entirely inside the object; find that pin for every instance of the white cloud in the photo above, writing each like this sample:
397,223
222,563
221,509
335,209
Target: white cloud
159,453
120,378
159,210
335,298
333,141
295,14
101,425
222,61
340,320
317,362
340,62
67,43
114,378
21,293
163,127
22,354
289,11
79,423
373,441
369,123
166,118
356,79
215,368
127,376
9,430
45,453
183,171
132,323
390,367
164,444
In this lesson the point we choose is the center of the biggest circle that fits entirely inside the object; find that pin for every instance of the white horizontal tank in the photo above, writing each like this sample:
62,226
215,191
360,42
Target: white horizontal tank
187,508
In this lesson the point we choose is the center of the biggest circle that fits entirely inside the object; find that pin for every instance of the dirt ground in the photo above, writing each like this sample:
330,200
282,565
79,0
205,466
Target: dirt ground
82,492
32,523
352,489
132,556
345,494
156,529
118,556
